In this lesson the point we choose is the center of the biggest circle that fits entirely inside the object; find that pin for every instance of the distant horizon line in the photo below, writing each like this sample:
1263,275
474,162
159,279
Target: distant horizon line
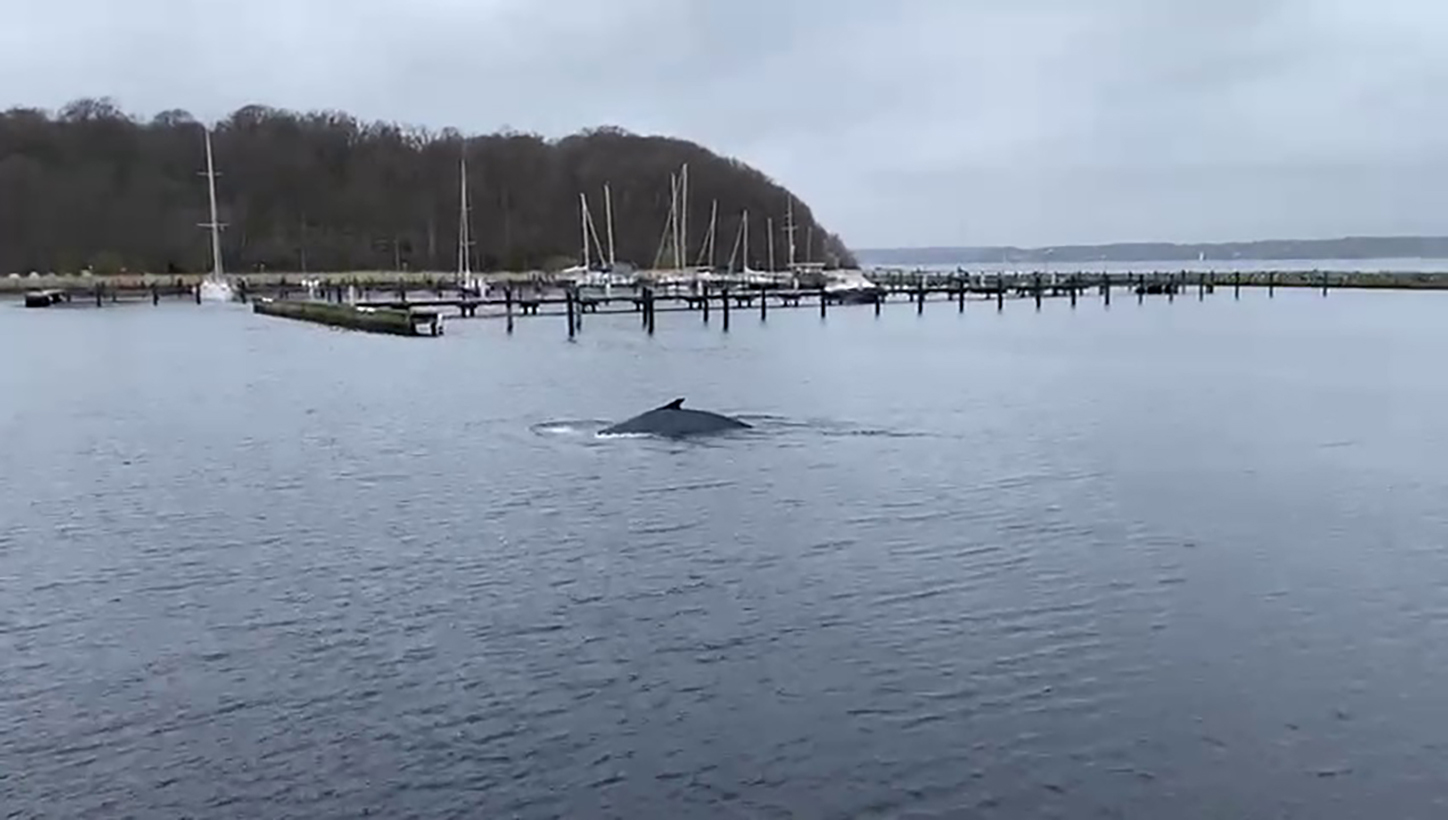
1142,243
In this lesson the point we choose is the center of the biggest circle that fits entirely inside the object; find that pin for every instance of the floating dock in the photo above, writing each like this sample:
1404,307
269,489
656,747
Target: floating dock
394,321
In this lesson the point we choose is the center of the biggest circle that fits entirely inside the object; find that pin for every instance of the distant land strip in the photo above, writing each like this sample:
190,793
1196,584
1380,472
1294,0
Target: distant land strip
1351,247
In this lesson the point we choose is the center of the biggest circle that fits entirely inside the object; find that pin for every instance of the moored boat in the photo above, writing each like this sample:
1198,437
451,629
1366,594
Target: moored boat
43,298
850,287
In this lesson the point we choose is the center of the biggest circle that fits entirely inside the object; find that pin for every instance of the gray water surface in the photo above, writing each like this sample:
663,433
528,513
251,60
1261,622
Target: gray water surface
1183,559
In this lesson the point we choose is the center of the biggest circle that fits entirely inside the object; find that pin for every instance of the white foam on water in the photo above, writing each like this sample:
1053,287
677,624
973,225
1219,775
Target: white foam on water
581,427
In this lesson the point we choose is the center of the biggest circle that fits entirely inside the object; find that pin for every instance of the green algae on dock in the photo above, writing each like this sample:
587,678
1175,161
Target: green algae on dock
399,322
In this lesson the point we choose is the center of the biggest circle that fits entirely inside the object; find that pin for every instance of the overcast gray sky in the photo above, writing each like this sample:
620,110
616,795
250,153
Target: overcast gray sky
902,122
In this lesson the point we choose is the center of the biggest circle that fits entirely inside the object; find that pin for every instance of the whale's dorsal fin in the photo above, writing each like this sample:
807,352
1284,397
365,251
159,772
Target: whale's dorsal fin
673,405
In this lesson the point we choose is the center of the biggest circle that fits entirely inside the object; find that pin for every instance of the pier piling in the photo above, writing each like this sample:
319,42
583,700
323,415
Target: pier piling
724,305
572,326
1072,286
823,302
1036,288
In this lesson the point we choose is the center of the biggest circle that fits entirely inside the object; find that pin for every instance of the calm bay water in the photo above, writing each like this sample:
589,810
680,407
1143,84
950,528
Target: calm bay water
1182,559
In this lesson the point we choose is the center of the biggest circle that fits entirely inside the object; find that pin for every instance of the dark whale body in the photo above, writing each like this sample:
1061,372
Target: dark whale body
673,421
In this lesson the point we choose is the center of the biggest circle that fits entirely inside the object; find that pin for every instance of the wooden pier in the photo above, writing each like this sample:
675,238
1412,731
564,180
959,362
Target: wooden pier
414,305
561,301
390,287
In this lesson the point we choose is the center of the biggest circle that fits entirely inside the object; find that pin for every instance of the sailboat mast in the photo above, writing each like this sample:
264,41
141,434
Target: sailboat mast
465,269
684,212
674,218
608,224
583,226
679,260
745,267
215,223
769,231
789,230
734,248
713,230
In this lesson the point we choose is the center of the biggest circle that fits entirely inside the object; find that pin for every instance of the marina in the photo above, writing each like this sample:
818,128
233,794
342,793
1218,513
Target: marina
540,294
686,275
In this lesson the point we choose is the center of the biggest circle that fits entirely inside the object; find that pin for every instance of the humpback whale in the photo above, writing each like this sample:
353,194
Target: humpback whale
673,421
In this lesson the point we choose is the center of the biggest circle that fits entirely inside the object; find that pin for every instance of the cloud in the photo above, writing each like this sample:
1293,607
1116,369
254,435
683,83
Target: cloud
913,122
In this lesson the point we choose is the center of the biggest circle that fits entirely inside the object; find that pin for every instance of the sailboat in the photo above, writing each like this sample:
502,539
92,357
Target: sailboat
702,268
705,260
842,286
789,229
581,271
850,287
214,287
740,252
671,263
605,274
608,226
467,282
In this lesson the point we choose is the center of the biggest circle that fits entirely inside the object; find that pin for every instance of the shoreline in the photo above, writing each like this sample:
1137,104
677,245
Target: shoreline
181,286
888,276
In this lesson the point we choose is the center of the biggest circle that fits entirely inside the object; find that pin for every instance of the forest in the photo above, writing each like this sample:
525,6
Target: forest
91,187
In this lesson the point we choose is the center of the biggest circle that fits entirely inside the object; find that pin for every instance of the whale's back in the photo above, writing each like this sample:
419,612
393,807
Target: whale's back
674,420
